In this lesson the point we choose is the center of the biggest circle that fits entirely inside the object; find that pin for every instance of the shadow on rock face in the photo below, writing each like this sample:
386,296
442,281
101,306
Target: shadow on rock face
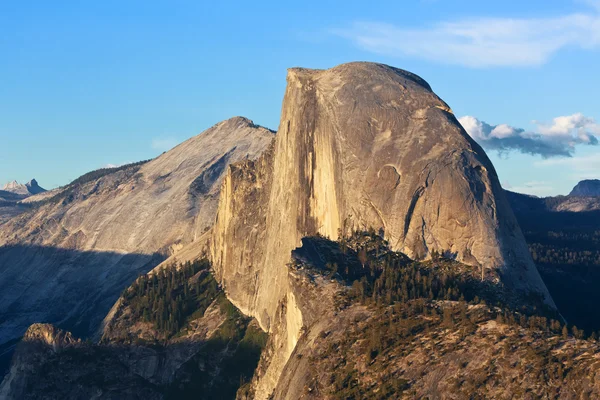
70,288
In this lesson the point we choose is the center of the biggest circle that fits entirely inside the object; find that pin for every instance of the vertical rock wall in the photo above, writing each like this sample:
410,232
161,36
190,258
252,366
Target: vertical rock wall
361,146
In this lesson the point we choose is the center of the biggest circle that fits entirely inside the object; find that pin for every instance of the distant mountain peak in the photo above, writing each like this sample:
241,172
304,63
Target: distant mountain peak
26,189
586,187
11,185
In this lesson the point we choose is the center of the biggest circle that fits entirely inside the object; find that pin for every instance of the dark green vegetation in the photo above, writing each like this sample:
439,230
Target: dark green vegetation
566,249
70,192
176,295
99,173
172,296
77,372
422,348
379,276
417,304
225,363
211,359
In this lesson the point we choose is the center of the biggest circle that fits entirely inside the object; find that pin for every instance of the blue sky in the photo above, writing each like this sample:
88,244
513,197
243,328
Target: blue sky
85,84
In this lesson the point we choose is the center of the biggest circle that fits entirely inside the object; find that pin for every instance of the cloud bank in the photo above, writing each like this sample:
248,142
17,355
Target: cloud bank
557,139
481,42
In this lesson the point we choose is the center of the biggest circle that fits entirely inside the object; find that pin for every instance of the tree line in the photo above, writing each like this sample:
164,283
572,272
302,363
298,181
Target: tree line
169,297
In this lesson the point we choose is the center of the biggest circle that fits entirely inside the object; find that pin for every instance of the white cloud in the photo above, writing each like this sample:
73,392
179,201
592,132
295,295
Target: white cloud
481,42
557,139
164,144
111,165
565,126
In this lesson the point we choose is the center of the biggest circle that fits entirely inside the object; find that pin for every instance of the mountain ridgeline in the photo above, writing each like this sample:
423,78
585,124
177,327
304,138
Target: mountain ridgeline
177,335
369,228
564,239
588,187
24,189
66,257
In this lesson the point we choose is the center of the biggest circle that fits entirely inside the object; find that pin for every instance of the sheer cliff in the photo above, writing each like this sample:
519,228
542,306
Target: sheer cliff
364,146
361,146
68,257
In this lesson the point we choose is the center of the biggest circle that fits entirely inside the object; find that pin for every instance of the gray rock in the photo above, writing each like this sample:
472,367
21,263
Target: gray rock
359,146
68,258
28,189
588,187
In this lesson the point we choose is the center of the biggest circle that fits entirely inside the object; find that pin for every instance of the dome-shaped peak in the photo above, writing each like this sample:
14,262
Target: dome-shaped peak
361,71
587,187
239,122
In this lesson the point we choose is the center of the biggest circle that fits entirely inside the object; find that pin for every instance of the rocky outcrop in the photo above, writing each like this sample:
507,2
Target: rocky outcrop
27,189
360,146
588,187
578,204
422,357
40,342
211,354
12,196
67,259
308,308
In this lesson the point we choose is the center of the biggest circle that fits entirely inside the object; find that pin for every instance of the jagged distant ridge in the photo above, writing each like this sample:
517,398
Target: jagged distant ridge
24,189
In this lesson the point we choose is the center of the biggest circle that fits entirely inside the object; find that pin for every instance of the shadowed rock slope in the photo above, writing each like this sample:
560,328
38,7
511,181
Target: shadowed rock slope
208,351
527,203
68,257
368,323
587,187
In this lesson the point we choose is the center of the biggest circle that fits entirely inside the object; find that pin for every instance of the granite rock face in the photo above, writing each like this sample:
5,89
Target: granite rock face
50,363
588,187
67,258
361,146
